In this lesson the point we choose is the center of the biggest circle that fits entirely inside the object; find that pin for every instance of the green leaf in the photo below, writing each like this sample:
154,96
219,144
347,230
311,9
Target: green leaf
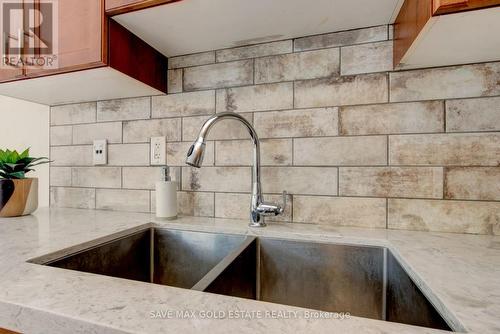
15,166
17,175
25,154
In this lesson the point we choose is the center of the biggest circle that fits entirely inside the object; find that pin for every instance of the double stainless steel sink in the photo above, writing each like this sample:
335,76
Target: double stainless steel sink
365,281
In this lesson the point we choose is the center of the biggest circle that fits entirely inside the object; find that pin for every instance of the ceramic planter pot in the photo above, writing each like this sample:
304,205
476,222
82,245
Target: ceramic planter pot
18,197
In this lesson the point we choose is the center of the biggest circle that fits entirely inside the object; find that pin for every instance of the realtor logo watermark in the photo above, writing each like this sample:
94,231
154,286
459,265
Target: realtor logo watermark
247,314
30,34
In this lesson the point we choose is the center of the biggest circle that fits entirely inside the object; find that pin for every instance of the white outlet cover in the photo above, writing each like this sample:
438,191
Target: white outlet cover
158,151
100,152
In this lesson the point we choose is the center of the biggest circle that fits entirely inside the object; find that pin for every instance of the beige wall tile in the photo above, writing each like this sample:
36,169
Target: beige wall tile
87,133
340,211
297,123
189,203
184,104
341,151
123,200
124,109
445,216
256,98
79,198
446,82
174,83
97,177
300,180
195,59
225,129
474,183
142,131
481,114
128,155
195,204
367,58
274,152
298,66
225,179
338,91
71,155
177,153
73,114
220,75
60,176
237,206
412,117
341,38
146,177
299,104
61,135
445,149
414,182
253,51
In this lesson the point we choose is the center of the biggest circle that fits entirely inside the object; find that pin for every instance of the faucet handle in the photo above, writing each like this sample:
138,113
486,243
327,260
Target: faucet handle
283,206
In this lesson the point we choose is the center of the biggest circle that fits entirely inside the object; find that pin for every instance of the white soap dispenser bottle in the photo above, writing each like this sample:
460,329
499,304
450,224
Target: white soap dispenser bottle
166,196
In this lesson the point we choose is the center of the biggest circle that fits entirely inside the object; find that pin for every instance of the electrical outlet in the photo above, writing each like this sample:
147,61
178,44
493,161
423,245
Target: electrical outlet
158,151
100,152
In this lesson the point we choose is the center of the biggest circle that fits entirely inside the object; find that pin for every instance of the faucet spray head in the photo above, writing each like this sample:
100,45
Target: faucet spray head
196,153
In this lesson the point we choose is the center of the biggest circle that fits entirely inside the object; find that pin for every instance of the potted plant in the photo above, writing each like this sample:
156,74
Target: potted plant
18,194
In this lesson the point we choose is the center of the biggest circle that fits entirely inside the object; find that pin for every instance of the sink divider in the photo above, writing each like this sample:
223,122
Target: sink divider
216,271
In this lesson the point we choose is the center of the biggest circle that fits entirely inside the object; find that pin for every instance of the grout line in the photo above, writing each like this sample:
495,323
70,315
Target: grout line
254,69
445,103
445,172
295,195
387,151
386,212
364,136
338,181
284,109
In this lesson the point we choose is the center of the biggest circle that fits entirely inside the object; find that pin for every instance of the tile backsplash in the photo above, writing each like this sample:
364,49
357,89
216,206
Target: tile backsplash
353,142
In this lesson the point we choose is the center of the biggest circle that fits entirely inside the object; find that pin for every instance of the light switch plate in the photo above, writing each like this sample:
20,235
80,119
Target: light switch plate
158,151
100,152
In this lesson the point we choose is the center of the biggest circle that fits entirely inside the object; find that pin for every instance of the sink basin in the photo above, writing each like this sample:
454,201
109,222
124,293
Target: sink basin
169,257
365,281
362,280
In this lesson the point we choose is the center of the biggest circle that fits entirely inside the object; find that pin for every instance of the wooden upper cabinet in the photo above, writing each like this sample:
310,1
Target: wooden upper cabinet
427,33
440,7
97,58
115,7
81,36
7,74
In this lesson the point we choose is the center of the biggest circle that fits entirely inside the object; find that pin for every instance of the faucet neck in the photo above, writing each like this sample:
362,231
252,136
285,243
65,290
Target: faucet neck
259,208
205,130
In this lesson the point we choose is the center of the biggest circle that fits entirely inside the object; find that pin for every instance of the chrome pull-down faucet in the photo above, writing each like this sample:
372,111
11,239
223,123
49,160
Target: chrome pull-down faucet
258,208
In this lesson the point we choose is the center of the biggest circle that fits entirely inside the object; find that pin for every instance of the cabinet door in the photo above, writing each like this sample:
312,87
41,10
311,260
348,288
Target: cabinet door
453,6
81,36
115,7
10,74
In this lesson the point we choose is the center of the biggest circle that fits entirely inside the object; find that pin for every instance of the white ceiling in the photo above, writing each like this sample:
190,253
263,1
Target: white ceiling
191,26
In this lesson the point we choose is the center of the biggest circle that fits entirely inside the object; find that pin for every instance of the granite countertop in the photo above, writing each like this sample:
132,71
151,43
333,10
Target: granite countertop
459,273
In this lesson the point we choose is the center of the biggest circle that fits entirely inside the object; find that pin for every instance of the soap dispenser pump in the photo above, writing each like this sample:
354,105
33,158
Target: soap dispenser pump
166,196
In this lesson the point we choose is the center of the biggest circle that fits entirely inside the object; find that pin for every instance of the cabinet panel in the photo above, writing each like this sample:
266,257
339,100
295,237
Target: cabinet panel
452,6
81,35
114,7
412,18
7,74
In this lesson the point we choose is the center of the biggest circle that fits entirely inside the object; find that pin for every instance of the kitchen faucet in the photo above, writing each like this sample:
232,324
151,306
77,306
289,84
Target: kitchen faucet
258,208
